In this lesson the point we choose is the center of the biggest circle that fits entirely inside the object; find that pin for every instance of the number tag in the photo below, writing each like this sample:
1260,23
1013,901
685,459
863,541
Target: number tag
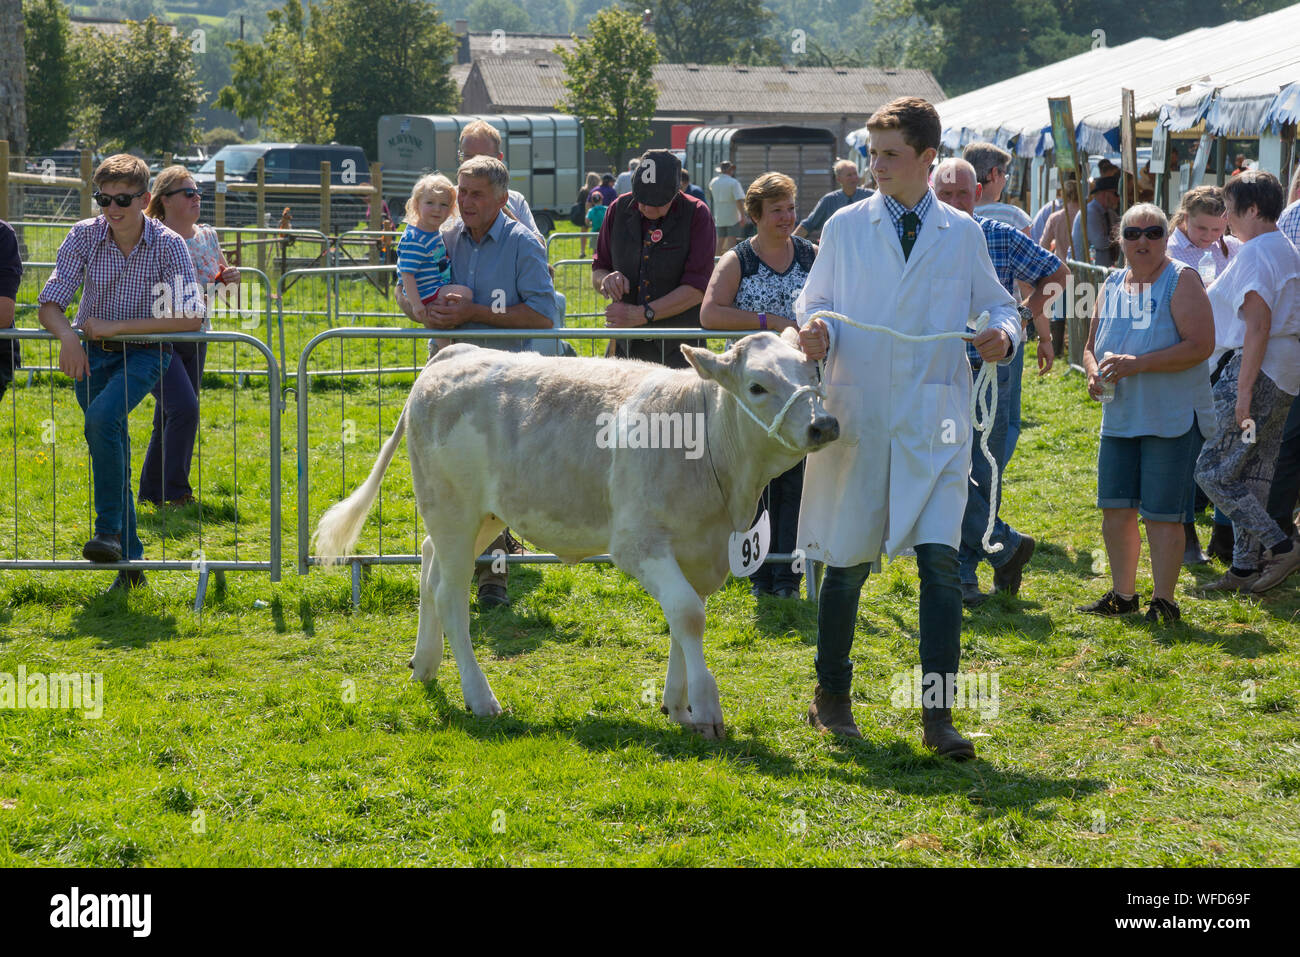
747,550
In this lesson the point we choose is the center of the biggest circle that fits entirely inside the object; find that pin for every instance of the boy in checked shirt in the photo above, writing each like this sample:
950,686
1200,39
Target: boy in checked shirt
129,269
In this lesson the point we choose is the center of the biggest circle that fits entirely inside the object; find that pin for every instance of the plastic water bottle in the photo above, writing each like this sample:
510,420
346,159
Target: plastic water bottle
1107,388
1206,268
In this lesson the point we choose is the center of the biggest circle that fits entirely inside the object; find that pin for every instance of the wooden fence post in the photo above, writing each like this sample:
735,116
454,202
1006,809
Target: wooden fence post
261,212
4,180
87,186
219,194
325,197
376,209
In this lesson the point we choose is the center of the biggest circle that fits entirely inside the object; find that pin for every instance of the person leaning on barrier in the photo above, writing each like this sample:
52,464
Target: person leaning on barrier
754,286
175,202
11,274
1257,360
500,261
654,256
1150,335
119,260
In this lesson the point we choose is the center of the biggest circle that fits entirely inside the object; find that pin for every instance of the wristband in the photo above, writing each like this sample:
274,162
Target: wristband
762,320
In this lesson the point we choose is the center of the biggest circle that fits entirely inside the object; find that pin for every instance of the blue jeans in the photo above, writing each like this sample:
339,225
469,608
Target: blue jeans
939,613
117,383
976,517
1017,372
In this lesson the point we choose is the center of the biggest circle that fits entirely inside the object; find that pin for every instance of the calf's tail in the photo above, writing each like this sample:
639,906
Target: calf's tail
340,526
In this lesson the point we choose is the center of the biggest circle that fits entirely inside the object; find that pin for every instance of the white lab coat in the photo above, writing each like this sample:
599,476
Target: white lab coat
897,477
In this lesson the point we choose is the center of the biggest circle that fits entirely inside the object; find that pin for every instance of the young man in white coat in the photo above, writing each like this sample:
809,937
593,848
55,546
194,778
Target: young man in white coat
897,478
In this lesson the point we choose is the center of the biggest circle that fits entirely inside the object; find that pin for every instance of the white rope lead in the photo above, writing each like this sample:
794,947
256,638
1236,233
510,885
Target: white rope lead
983,402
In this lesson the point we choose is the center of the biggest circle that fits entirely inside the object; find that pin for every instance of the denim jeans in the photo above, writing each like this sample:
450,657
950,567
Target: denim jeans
117,383
939,613
976,517
1016,370
1284,491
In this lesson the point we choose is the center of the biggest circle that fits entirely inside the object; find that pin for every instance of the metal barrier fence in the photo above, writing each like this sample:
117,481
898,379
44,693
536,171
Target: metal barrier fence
587,243
221,473
1077,302
330,465
241,306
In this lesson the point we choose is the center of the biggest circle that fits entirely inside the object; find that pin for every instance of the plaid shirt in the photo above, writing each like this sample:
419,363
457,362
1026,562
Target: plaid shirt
1015,255
123,287
1289,223
897,209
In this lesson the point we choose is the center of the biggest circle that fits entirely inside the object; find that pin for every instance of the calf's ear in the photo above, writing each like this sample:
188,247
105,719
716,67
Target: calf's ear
709,364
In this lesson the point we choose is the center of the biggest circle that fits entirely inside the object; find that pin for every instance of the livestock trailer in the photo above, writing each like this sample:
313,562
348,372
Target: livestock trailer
804,153
543,151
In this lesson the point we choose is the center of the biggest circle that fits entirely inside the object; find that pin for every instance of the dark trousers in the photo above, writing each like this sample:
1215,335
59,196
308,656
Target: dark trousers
783,494
9,363
940,617
1285,488
165,475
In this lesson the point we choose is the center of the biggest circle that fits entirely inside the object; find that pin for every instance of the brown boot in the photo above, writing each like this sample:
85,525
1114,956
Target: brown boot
940,736
833,713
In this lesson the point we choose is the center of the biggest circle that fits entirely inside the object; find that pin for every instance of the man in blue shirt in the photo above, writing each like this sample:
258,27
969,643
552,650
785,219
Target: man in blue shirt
1015,257
690,189
846,174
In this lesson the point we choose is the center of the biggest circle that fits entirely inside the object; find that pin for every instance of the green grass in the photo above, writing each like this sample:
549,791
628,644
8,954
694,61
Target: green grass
280,726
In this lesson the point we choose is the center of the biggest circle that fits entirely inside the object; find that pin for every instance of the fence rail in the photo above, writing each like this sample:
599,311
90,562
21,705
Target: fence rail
63,416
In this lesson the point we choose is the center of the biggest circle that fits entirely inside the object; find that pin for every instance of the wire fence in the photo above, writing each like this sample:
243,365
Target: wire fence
47,502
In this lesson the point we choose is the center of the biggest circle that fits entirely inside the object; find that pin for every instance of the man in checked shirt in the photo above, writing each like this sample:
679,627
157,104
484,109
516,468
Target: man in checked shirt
130,270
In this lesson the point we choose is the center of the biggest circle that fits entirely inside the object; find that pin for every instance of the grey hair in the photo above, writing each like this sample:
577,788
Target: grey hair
942,174
489,168
842,164
1144,211
985,156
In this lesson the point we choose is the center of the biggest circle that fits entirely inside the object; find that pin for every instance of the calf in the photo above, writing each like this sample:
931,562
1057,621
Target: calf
544,445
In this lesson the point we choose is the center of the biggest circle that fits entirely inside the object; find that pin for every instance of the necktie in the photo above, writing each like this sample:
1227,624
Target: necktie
911,223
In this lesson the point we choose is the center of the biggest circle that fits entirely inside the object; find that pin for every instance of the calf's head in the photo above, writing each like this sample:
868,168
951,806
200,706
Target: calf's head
769,376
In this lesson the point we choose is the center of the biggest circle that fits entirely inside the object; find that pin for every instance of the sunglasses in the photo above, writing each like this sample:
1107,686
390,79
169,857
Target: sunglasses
189,191
122,199
1133,233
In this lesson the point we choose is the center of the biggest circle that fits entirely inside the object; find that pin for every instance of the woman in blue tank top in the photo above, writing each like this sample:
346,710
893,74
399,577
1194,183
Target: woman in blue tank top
1152,332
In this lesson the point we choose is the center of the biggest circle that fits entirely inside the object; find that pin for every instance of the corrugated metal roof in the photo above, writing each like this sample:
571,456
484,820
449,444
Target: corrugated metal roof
1245,60
536,83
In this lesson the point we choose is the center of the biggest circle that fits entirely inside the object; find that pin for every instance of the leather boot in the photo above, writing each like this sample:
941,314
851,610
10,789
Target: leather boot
1221,541
833,713
939,735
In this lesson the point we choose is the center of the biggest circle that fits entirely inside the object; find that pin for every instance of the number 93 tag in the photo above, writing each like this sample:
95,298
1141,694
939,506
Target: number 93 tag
747,550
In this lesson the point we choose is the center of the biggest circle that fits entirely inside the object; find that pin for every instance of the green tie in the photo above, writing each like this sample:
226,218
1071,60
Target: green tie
911,223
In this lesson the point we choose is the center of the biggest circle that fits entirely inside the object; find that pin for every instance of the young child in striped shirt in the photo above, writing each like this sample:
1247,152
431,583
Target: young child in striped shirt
422,259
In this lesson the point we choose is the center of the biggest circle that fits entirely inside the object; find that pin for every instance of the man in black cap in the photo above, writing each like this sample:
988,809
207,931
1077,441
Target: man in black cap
1103,205
654,257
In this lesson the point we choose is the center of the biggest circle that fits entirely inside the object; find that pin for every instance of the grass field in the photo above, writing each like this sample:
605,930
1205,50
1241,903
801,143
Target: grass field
280,726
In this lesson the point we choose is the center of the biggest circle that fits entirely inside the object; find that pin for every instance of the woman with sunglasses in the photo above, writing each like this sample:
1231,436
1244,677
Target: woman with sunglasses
166,472
1257,356
1153,329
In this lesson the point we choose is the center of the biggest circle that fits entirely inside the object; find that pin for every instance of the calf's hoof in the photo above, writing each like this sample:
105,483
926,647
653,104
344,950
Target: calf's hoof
711,732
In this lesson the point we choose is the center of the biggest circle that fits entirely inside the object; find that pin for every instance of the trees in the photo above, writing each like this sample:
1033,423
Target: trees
49,78
330,71
394,61
13,109
139,91
609,82
487,15
706,31
287,80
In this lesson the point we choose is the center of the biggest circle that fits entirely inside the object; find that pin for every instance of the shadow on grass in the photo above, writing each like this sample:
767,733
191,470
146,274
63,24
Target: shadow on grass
898,766
177,521
110,618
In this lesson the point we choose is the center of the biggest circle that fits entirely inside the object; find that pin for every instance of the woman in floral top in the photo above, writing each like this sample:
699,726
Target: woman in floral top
166,472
